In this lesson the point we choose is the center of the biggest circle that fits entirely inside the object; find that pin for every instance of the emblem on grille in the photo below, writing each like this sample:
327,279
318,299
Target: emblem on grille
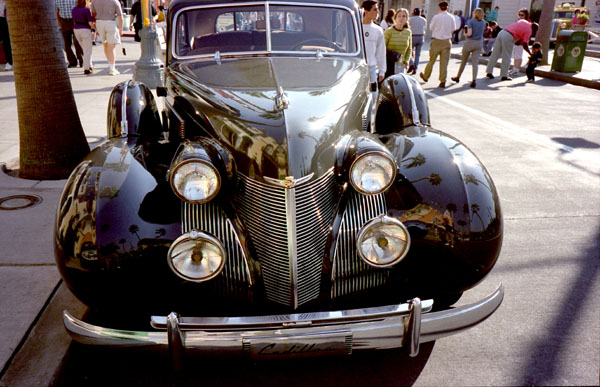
289,182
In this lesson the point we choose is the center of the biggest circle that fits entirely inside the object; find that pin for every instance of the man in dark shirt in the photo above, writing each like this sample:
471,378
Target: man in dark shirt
489,42
136,20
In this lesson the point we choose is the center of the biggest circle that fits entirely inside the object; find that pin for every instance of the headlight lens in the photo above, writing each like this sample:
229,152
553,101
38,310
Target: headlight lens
372,173
196,256
383,242
195,181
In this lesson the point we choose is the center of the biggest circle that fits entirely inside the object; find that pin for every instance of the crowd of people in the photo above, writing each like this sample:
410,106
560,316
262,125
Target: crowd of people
395,45
81,24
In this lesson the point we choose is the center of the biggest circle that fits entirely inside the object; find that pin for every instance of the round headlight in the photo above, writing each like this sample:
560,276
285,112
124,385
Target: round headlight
195,181
372,173
196,256
383,242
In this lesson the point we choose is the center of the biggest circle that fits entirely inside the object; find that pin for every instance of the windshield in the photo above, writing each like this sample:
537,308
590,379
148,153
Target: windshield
563,15
244,28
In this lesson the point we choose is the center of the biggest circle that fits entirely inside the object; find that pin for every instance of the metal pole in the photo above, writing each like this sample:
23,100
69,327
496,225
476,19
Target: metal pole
149,68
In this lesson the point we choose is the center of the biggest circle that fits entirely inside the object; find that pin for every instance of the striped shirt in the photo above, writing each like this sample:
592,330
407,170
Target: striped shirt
64,8
399,41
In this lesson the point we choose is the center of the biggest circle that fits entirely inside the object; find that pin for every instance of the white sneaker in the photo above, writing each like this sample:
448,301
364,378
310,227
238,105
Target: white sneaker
113,72
513,71
8,67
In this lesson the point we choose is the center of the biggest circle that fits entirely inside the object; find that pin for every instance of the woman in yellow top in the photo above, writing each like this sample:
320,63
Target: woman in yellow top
399,39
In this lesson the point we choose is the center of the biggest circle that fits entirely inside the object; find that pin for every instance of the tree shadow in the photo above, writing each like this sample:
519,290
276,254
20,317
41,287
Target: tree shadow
577,142
546,352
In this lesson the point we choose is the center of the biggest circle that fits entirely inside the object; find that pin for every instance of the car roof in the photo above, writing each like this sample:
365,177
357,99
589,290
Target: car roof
179,3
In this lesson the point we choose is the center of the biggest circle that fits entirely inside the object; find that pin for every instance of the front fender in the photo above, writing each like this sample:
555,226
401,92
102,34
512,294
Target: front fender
457,223
94,251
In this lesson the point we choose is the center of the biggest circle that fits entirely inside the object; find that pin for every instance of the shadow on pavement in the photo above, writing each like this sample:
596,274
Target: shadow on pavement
546,353
89,366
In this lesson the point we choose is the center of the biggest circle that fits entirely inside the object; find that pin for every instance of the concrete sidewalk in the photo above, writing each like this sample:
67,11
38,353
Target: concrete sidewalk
31,347
33,341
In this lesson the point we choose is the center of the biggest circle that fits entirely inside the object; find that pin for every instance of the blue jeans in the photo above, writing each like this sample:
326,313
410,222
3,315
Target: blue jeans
417,43
487,45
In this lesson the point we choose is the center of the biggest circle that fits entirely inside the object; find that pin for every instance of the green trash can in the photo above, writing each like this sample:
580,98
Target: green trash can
569,51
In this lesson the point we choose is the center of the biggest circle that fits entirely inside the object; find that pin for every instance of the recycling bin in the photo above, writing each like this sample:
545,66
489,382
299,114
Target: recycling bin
569,51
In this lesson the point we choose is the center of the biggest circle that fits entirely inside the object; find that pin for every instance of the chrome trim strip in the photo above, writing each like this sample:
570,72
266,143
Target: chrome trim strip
124,125
367,333
290,320
415,111
366,113
292,236
268,24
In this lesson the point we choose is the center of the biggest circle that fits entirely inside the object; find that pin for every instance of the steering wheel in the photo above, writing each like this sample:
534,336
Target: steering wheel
317,42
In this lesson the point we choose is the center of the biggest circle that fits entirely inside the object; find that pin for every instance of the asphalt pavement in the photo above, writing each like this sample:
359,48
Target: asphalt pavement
32,296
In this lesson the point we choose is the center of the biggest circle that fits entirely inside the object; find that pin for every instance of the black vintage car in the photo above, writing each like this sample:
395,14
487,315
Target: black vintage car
276,206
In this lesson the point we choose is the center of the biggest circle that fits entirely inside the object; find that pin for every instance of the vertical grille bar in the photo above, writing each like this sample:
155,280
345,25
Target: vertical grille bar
210,218
289,229
350,274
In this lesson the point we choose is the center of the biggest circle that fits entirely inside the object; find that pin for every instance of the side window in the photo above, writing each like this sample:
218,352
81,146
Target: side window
341,30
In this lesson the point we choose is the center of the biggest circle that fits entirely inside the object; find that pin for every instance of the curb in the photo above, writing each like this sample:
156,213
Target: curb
554,75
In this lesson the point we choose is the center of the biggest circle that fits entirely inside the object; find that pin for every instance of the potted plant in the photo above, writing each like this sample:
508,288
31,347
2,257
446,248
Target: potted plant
583,18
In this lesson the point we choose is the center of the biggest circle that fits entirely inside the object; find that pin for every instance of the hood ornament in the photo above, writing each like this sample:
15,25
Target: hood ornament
281,100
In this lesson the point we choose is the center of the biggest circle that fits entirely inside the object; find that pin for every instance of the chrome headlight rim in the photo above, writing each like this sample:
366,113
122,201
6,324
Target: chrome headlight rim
173,171
369,154
192,236
382,219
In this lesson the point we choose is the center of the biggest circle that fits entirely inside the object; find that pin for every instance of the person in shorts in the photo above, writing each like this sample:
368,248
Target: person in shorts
109,30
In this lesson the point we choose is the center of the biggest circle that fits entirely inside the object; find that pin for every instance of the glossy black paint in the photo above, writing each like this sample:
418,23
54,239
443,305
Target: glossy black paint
118,216
141,113
236,105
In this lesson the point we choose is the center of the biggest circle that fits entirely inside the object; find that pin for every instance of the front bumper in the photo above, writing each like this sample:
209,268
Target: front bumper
338,332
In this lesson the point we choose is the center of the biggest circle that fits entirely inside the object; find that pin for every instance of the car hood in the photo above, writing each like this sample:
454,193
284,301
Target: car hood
279,117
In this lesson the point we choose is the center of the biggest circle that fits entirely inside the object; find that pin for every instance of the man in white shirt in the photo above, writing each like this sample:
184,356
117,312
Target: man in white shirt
374,43
441,27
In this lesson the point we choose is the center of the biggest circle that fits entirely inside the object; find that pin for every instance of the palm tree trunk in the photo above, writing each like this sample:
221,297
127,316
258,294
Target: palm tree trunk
543,34
51,139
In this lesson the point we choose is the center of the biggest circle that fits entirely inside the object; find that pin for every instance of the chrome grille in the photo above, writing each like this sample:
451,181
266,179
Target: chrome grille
235,278
350,274
289,229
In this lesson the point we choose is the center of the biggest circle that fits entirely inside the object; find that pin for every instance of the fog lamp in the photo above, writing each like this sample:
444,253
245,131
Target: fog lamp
196,256
372,173
383,242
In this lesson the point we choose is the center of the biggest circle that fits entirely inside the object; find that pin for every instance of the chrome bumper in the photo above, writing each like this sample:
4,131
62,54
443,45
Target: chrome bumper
339,332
